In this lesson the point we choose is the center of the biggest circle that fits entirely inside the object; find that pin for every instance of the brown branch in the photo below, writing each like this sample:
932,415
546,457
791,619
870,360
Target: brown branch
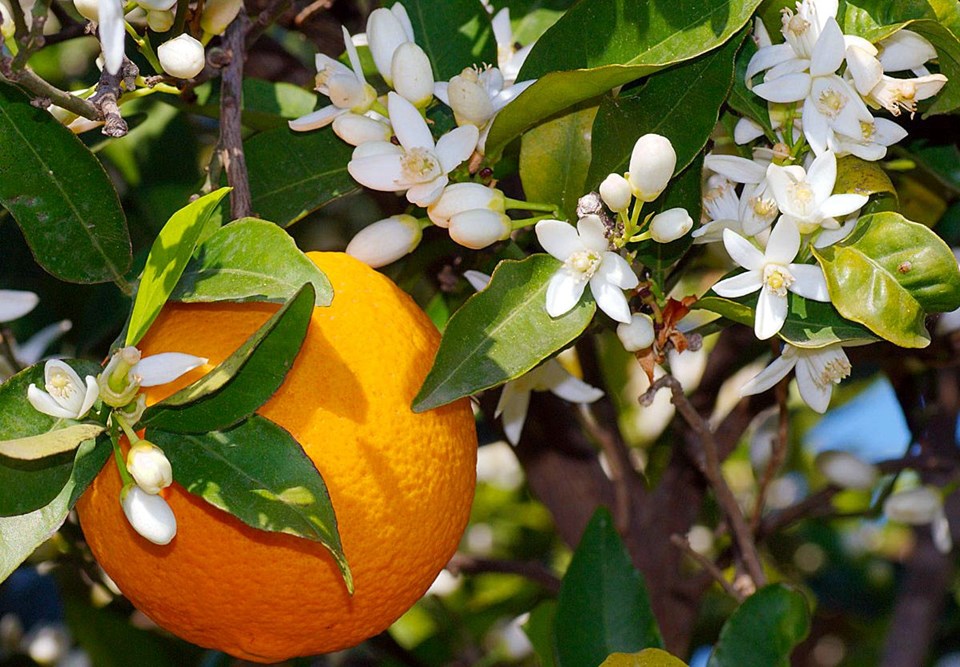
44,91
230,146
777,455
708,565
310,10
710,466
6,349
268,16
536,572
107,96
618,461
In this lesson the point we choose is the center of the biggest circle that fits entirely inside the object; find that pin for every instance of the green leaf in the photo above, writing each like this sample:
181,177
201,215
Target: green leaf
243,381
454,33
743,100
38,481
860,177
64,439
603,606
539,629
942,161
763,630
650,657
293,174
617,41
257,472
501,333
59,195
267,105
554,158
887,273
250,260
21,535
809,324
168,257
682,103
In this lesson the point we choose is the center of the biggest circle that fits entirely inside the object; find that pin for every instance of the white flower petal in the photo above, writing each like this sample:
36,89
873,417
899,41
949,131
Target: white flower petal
905,50
424,194
864,68
746,130
317,119
72,399
767,57
812,391
409,126
816,127
771,314
378,172
787,88
440,92
829,51
615,270
352,55
742,251
593,233
563,293
771,375
840,205
809,283
149,515
739,285
558,238
737,169
45,403
477,279
822,175
456,146
14,304
575,390
513,406
90,397
165,367
111,33
610,299
784,242
32,350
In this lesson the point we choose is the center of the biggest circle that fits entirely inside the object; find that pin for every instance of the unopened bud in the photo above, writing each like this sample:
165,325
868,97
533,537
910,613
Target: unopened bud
479,228
461,197
385,33
149,467
412,74
616,193
846,470
638,333
88,9
651,166
157,5
386,241
149,515
469,99
160,21
670,225
218,14
916,506
356,129
181,57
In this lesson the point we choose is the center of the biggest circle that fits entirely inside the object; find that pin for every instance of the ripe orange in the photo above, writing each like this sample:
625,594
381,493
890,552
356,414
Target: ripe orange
401,483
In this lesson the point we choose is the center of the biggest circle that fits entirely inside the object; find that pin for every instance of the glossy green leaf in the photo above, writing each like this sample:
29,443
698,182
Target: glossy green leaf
743,100
266,104
888,274
64,439
603,606
501,333
682,103
250,260
942,161
763,631
809,324
454,33
169,255
539,630
650,657
257,472
295,173
243,381
59,195
554,158
860,177
21,535
27,485
617,41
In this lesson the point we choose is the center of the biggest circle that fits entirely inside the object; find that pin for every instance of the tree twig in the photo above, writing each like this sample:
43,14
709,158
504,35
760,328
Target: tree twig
265,19
230,146
464,563
618,461
46,91
107,96
710,466
708,565
777,455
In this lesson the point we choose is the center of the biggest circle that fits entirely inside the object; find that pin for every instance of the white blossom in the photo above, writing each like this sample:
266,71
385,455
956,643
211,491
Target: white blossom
461,197
616,193
479,228
149,467
218,14
906,50
670,225
587,258
66,395
847,471
356,129
917,506
652,162
773,273
756,206
14,304
510,59
412,74
386,241
182,57
112,33
817,370
150,515
746,130
638,333
160,20
417,166
387,29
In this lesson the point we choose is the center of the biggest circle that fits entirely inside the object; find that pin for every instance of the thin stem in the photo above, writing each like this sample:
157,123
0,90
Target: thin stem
231,130
536,572
42,89
526,222
143,43
265,19
708,565
618,461
777,456
125,475
127,429
6,347
521,205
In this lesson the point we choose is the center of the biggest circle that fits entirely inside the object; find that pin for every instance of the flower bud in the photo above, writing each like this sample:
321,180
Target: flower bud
149,467
157,5
461,197
149,515
670,225
182,57
218,14
615,193
479,228
385,32
846,470
160,21
916,506
386,241
638,333
651,166
356,129
346,91
412,74
88,9
469,99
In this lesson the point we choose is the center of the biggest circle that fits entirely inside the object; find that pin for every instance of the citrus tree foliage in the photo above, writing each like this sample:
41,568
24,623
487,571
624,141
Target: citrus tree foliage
634,223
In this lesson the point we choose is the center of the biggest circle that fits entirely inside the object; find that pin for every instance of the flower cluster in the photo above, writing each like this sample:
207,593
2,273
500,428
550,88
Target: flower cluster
147,471
772,210
395,149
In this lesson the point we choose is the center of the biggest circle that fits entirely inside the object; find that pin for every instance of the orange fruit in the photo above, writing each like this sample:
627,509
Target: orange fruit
401,483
